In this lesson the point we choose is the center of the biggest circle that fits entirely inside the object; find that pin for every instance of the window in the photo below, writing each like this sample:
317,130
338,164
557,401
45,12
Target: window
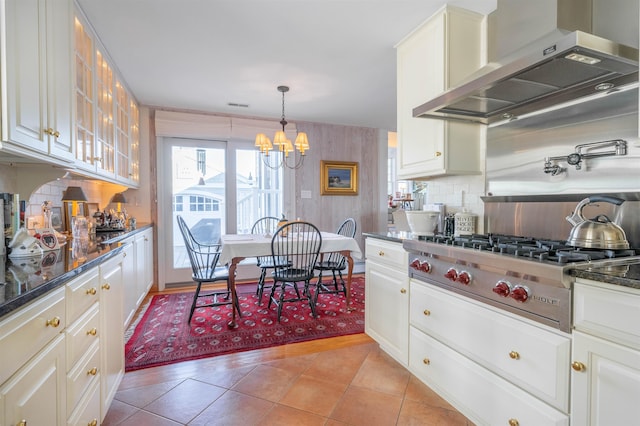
199,203
177,203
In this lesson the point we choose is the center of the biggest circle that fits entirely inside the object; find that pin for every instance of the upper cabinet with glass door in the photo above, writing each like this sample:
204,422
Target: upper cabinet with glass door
105,126
37,79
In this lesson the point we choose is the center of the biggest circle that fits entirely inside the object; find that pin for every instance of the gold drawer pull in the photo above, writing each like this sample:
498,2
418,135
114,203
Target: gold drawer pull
55,322
426,361
92,332
403,290
22,422
426,312
106,286
514,355
438,154
93,371
92,291
514,422
380,253
93,422
578,366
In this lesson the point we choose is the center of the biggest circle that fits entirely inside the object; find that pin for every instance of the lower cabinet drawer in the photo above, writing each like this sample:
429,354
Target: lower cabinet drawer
482,396
607,311
87,413
536,359
26,331
82,334
83,375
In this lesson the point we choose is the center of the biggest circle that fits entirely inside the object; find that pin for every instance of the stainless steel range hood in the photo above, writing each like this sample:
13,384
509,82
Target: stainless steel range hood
546,74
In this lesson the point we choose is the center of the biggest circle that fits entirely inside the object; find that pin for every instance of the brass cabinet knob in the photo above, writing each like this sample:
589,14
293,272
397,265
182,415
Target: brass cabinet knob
578,366
106,286
403,290
514,355
22,422
426,361
92,291
438,154
426,312
93,371
514,422
380,253
92,332
93,422
54,322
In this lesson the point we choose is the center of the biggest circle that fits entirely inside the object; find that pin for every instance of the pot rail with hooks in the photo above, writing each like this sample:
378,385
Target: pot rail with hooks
575,158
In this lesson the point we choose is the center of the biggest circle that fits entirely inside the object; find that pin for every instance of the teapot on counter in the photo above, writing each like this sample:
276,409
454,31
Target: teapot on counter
599,232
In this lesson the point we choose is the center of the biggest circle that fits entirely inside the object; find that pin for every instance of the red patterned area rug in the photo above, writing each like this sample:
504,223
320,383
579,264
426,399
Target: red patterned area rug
163,336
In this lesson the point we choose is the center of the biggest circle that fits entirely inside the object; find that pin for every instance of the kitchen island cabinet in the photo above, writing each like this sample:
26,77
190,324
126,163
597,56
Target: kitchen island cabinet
437,56
37,93
605,380
387,296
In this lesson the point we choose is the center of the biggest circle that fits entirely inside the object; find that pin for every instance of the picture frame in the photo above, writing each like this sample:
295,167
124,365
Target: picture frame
338,178
91,209
57,221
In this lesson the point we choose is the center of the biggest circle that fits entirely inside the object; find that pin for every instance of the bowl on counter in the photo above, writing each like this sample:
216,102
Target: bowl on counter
423,222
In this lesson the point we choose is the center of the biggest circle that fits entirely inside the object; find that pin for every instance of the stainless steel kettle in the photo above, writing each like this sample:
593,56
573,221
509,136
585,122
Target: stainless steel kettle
599,232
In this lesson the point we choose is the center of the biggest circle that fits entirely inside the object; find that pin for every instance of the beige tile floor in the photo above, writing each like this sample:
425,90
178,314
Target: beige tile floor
342,381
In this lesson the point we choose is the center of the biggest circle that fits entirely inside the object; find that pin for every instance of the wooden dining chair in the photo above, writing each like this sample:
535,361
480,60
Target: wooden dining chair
334,262
205,269
300,243
267,225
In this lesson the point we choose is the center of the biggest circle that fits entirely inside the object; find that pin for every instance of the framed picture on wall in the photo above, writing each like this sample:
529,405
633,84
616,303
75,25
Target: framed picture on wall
338,178
56,219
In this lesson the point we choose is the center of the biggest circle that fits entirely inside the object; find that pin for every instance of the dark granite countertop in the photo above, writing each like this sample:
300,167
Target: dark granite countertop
625,273
23,280
396,237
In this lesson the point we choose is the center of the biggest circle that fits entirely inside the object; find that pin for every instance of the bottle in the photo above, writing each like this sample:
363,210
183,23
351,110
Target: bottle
282,222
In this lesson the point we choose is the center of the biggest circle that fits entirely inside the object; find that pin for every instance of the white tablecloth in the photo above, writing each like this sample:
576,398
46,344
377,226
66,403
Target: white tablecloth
250,245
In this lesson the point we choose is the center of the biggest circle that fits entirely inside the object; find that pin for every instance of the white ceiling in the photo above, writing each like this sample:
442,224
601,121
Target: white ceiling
337,56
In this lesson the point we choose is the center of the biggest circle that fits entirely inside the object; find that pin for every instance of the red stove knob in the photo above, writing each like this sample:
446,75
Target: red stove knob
415,264
464,277
451,274
520,293
502,288
425,267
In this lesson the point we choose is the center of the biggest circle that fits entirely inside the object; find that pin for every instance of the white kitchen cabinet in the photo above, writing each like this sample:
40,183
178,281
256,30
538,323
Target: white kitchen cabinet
37,89
138,273
437,56
107,122
35,395
492,366
605,382
111,324
387,296
83,344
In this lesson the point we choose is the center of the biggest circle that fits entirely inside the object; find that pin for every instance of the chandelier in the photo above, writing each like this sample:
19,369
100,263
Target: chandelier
282,145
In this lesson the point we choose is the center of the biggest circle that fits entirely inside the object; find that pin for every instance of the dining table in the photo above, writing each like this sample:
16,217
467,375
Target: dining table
237,247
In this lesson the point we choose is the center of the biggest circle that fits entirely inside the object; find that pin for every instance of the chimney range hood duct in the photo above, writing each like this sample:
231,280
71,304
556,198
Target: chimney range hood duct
547,73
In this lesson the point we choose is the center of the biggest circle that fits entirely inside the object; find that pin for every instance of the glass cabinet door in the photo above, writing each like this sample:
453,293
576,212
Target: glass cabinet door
105,135
84,124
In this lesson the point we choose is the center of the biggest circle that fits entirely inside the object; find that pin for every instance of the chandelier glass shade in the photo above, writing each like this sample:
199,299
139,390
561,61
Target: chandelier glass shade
282,145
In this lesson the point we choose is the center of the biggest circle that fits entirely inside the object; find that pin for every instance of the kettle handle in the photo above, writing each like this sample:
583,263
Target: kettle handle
576,217
606,198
